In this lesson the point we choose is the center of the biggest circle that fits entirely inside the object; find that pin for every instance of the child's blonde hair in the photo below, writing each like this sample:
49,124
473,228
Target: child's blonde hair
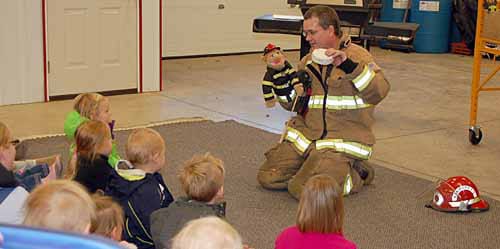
321,206
143,145
61,205
207,233
87,104
90,135
202,177
5,135
108,218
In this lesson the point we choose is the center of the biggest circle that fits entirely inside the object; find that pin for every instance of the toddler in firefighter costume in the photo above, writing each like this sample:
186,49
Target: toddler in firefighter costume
279,79
333,136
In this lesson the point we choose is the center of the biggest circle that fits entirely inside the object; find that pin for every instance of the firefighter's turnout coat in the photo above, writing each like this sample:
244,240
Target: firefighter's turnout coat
335,130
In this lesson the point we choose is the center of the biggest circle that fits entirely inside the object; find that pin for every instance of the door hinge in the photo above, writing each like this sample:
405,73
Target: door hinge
48,67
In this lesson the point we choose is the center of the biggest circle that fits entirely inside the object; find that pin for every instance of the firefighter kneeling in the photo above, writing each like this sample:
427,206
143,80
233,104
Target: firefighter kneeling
332,133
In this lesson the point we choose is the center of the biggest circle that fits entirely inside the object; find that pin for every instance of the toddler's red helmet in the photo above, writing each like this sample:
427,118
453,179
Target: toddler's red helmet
458,194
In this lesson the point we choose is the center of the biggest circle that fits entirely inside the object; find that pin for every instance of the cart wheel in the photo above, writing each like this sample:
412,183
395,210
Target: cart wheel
475,138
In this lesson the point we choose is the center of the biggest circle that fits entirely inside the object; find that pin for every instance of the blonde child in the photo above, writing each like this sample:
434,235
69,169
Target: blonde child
207,233
320,218
141,190
93,145
202,179
108,221
90,106
61,205
14,186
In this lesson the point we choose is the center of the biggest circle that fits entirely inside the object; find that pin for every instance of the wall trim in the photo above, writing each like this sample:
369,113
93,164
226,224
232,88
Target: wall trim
140,46
44,47
161,41
104,93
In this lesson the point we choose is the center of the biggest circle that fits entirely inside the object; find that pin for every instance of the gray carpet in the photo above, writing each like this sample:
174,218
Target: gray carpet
387,214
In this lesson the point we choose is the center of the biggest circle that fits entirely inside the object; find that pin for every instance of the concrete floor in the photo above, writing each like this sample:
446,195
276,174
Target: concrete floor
422,126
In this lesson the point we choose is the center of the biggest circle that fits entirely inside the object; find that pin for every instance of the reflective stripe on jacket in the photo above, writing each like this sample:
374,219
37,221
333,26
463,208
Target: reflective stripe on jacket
340,112
301,143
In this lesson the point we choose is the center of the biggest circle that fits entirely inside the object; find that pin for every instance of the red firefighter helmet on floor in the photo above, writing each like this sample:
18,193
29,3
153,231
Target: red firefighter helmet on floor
458,194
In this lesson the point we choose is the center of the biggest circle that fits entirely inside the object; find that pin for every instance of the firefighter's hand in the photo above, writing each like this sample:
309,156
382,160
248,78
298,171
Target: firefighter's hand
338,56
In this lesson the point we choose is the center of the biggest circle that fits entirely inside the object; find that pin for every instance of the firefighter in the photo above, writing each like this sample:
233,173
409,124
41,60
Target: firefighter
333,136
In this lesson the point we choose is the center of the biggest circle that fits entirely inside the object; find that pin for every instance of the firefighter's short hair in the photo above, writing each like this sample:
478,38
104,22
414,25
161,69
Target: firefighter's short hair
327,17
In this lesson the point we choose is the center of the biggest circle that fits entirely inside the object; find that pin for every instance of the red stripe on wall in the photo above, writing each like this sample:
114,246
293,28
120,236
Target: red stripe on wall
44,37
161,40
140,46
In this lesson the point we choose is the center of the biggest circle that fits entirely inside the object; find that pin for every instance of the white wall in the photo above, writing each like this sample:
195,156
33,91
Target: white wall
193,27
21,57
151,45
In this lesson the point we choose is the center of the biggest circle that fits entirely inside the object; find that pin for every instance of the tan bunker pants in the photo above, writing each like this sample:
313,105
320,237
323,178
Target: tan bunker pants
285,168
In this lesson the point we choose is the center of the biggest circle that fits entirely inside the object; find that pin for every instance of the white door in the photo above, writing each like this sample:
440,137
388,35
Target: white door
92,45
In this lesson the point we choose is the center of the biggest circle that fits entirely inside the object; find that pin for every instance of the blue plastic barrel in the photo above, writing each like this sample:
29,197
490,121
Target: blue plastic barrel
393,11
434,17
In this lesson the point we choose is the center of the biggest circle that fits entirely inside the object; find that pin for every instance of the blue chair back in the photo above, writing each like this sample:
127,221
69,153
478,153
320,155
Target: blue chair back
19,237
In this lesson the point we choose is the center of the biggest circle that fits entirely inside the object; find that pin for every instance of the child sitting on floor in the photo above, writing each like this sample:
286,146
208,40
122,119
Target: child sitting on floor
108,221
14,186
202,179
90,106
208,233
142,190
93,145
320,218
61,205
